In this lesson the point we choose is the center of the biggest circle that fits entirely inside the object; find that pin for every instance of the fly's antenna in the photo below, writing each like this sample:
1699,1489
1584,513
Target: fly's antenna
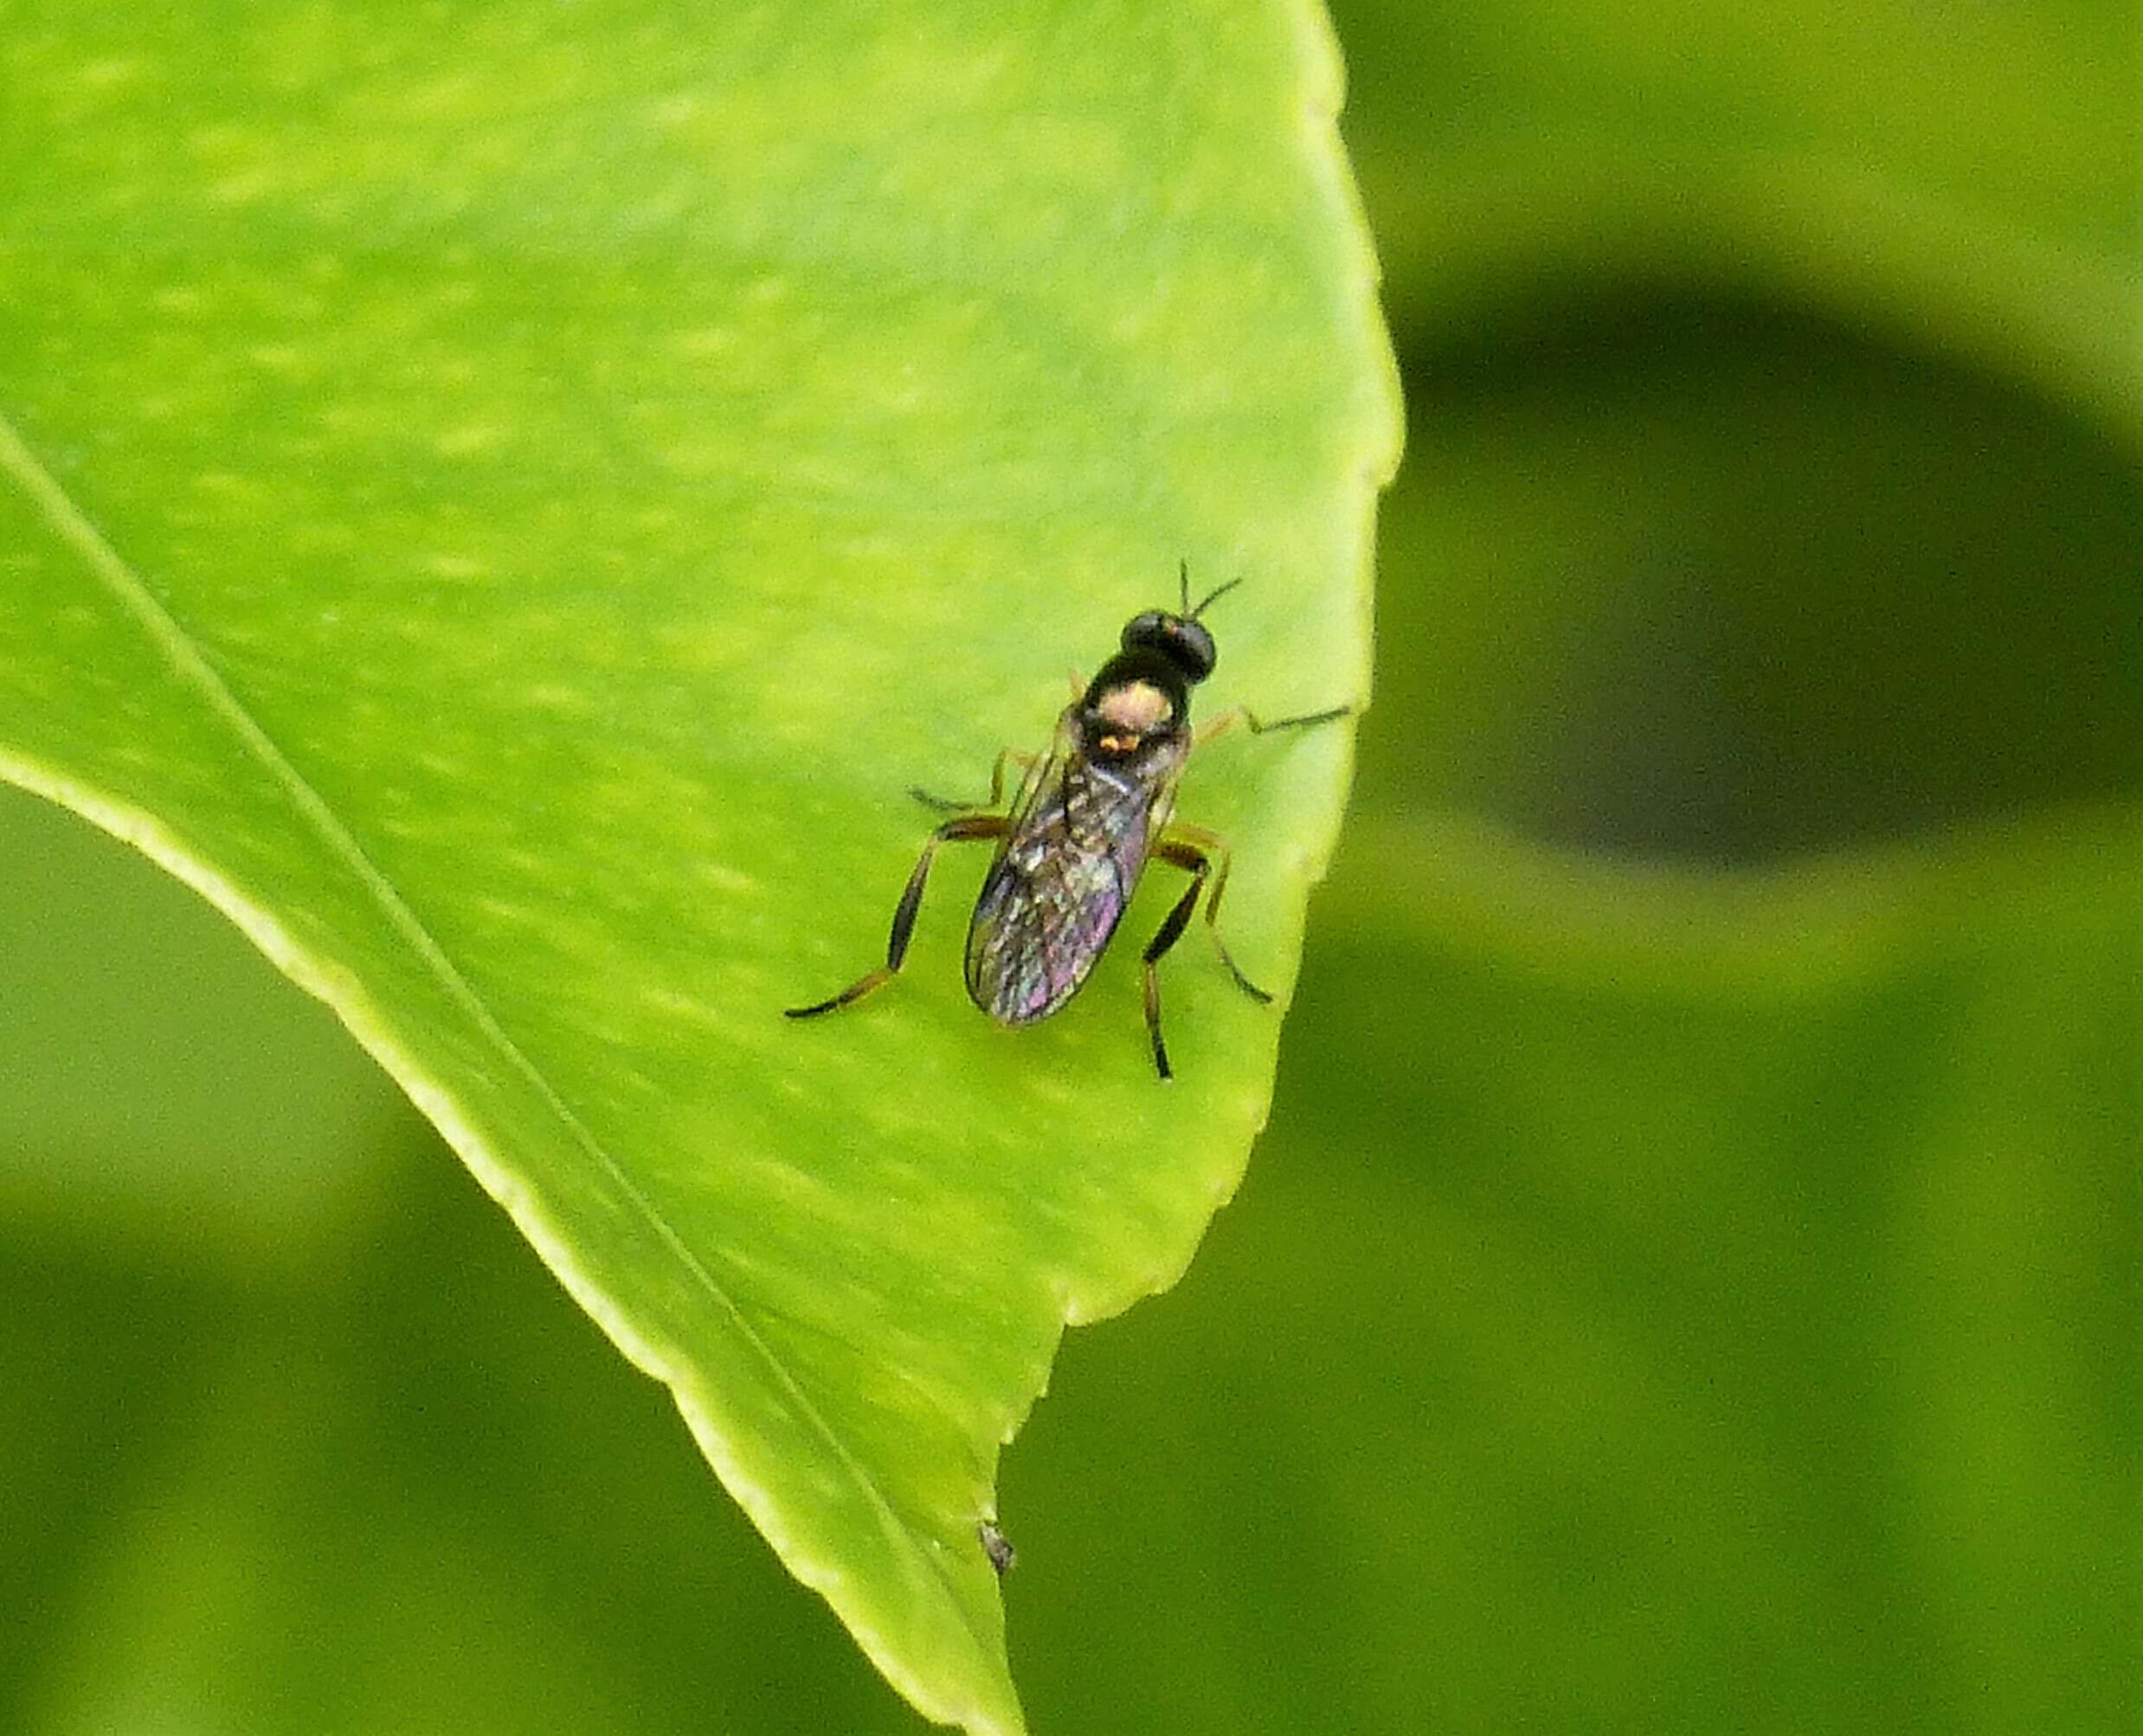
1192,614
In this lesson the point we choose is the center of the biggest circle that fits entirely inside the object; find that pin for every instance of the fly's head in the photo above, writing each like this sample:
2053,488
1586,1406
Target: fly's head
1142,694
1179,640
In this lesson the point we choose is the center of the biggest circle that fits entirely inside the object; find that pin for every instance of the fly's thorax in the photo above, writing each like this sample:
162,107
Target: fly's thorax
1136,703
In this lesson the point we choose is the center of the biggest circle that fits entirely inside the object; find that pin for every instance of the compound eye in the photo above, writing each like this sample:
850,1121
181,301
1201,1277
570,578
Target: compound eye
1146,632
1194,649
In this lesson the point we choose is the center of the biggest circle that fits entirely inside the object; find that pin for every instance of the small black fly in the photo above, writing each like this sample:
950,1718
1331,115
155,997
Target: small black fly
1087,818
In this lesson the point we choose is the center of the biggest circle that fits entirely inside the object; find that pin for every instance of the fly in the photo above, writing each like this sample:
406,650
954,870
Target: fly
1087,818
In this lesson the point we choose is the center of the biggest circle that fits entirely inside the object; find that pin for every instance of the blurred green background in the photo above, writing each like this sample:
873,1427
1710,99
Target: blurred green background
1692,1278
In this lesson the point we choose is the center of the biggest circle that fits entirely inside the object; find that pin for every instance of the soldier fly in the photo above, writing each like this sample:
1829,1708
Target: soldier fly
1087,818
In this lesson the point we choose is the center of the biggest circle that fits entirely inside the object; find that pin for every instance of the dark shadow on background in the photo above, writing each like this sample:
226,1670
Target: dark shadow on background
1808,590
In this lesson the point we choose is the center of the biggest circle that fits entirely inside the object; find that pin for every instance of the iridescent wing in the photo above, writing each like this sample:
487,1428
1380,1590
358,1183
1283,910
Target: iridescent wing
1063,877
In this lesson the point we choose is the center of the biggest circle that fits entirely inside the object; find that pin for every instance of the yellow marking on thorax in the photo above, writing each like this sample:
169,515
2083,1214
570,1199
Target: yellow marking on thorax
1134,707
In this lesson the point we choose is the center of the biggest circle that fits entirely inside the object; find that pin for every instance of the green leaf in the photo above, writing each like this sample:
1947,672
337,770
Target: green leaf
505,504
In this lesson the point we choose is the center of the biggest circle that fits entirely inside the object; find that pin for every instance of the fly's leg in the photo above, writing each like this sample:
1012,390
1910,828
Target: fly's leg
1186,846
1259,726
970,826
1184,856
1200,845
1024,761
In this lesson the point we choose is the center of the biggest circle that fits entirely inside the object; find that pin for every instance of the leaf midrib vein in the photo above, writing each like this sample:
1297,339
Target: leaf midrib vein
75,528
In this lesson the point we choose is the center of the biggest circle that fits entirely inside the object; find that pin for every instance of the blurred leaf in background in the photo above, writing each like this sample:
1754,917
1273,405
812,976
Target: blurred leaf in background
1690,1280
